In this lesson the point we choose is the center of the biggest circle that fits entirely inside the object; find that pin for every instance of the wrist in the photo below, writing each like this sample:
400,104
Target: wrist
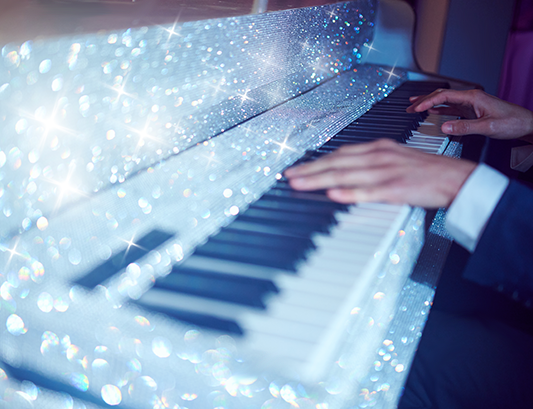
528,132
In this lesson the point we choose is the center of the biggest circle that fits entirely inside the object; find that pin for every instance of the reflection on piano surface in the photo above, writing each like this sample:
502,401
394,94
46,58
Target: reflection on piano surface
141,173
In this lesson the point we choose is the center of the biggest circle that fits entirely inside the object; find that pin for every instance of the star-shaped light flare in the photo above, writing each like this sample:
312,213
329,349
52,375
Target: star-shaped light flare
210,159
172,31
145,134
245,97
12,251
371,47
331,13
391,73
218,87
49,123
247,129
131,243
305,45
283,145
121,90
65,188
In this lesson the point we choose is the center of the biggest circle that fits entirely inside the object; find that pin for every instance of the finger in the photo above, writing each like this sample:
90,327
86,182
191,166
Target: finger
327,163
467,127
346,156
348,195
417,100
344,178
439,97
394,191
452,111
362,194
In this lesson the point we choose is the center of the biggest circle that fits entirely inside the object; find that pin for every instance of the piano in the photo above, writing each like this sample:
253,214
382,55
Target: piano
151,253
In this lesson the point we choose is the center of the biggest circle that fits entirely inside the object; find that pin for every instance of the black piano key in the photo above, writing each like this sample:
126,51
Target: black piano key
130,254
319,194
288,216
198,319
392,118
218,286
190,267
397,136
282,249
305,228
21,374
262,240
299,195
353,140
273,258
281,230
392,115
375,127
275,231
297,206
381,122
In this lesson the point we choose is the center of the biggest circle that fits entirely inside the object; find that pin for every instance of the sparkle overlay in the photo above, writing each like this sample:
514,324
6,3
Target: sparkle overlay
106,137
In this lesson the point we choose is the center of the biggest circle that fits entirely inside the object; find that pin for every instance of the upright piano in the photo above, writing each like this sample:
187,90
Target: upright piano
152,254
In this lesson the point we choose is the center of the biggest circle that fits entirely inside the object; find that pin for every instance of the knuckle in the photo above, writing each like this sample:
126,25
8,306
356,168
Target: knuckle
386,157
369,194
477,94
345,148
342,176
385,143
462,127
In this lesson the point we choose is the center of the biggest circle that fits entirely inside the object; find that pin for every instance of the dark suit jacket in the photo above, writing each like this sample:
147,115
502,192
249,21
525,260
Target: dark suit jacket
504,256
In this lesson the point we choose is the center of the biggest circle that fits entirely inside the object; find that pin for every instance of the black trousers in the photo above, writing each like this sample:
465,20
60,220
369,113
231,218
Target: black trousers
476,350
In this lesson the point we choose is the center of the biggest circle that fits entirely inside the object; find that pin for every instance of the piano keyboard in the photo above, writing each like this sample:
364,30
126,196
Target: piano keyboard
284,274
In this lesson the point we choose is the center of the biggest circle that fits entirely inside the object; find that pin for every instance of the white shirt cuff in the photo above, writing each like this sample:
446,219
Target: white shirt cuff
473,206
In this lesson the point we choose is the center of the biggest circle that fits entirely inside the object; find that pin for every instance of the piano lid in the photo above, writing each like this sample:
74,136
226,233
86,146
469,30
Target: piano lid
83,112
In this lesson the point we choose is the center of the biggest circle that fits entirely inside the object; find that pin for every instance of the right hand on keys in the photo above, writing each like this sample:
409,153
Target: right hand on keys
483,113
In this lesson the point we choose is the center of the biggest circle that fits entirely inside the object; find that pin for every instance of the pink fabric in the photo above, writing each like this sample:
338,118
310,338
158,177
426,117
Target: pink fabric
516,81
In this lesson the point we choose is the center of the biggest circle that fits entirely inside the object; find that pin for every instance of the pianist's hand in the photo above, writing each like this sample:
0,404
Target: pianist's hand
485,114
383,171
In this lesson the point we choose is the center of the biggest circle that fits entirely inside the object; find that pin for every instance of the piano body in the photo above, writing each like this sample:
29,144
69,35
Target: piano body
151,255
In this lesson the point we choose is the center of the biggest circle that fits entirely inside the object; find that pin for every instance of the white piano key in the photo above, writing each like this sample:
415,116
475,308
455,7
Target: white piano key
232,267
354,241
369,213
294,312
362,220
288,351
320,302
266,324
384,207
157,297
322,270
310,286
369,232
302,323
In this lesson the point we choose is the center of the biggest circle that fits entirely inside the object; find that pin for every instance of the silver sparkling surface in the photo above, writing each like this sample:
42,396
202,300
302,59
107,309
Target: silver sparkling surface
81,114
106,137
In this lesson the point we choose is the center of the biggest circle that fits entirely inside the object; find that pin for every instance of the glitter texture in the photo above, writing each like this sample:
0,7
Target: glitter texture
109,137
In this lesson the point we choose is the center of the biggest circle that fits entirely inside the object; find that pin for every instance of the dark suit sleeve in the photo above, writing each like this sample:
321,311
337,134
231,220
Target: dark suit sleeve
503,258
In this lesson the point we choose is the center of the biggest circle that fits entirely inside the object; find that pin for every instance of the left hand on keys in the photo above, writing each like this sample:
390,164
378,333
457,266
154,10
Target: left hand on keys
383,171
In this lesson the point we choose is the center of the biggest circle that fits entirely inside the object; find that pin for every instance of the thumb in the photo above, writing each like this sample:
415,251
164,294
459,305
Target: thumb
466,127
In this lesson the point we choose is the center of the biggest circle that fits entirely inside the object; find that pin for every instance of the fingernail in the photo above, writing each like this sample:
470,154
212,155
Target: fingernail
447,128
